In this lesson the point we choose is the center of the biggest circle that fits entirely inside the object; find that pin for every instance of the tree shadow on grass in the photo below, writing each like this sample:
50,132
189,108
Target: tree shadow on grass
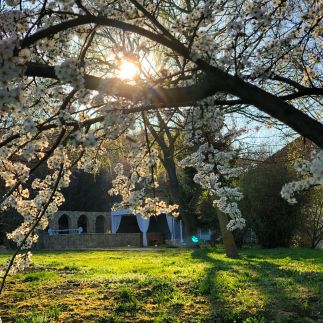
255,287
307,255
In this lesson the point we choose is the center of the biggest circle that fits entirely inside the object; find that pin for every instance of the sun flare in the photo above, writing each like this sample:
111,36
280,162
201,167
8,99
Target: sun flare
128,70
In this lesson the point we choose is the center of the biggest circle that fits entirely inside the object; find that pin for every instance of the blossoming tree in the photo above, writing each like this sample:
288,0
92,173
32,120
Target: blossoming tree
76,75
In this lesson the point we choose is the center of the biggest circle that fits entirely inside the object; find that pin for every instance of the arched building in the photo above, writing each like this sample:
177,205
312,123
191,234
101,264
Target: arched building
84,230
103,230
91,222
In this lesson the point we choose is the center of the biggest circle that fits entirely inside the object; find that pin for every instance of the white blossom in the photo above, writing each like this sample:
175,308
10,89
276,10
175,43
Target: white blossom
214,170
70,72
313,173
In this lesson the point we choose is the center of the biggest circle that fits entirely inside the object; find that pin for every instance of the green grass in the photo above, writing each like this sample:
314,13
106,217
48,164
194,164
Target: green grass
172,285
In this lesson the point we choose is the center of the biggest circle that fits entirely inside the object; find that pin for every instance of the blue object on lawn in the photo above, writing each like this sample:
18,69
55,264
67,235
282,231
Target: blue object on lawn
195,239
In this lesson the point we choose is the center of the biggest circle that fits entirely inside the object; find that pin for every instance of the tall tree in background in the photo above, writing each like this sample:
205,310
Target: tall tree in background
276,222
172,148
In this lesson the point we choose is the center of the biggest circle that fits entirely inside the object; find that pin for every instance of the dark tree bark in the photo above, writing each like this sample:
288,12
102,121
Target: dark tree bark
230,247
186,212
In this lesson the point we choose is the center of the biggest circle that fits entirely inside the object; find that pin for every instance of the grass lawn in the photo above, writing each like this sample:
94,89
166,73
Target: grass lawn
172,285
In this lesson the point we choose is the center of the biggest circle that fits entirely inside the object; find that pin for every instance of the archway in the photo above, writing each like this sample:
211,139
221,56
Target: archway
128,224
82,222
63,224
100,224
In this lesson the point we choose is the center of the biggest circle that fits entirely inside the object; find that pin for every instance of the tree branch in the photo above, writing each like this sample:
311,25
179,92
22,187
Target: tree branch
216,80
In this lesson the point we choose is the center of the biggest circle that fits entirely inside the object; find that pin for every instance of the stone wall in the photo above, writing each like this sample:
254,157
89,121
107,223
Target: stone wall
88,241
73,218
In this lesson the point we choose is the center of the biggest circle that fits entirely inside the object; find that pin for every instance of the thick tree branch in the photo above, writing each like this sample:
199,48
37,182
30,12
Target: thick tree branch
186,96
215,81
165,97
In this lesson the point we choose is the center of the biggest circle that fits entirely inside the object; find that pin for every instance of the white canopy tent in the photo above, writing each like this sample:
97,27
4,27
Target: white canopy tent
143,224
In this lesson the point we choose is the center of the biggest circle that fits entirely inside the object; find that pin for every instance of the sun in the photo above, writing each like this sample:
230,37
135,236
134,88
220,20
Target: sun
128,70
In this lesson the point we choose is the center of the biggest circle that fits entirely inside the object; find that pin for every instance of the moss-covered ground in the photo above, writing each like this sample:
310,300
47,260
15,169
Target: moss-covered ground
171,285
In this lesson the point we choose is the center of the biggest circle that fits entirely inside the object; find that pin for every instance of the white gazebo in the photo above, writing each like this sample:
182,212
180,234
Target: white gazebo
143,224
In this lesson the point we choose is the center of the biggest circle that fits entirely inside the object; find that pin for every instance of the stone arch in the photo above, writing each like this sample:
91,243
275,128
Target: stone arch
100,224
83,222
63,223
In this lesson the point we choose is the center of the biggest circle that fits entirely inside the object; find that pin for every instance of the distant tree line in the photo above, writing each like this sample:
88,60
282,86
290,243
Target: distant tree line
275,222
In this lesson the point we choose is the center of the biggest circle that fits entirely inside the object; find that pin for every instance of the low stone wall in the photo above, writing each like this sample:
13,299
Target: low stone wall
91,218
88,241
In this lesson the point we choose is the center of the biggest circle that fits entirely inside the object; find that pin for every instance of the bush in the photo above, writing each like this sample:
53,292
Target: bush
272,219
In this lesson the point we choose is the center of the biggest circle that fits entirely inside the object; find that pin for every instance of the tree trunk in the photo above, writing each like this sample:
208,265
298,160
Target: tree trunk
227,237
174,189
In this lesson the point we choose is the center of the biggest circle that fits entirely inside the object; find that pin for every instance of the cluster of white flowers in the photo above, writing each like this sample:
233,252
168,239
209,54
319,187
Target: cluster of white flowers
133,189
152,206
66,3
316,167
33,149
86,140
7,47
10,100
234,50
258,12
311,170
71,72
9,21
12,3
90,140
59,156
12,172
18,236
33,207
115,120
11,68
204,130
29,125
22,261
30,208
